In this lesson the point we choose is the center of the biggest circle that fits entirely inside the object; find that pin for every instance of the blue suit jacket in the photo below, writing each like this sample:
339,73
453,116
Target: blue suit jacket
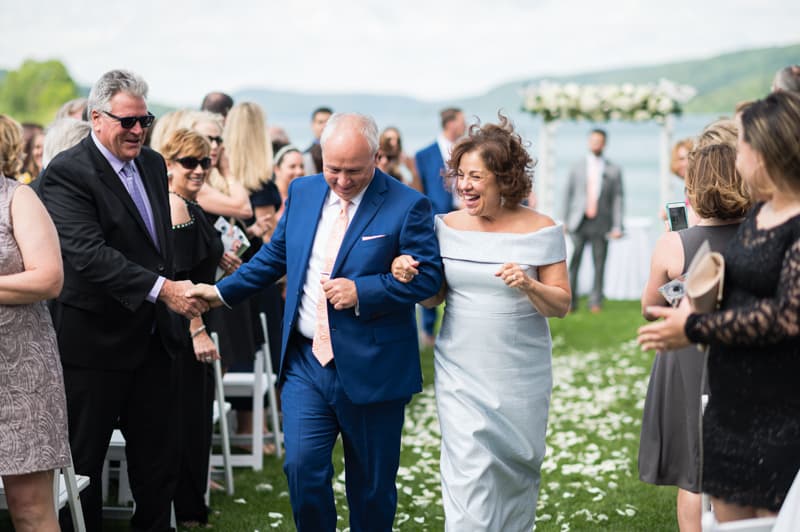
430,166
376,351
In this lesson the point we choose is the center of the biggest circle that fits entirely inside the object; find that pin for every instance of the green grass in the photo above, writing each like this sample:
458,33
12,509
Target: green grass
589,477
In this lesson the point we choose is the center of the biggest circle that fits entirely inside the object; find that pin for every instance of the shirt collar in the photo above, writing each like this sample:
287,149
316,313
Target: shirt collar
333,198
115,163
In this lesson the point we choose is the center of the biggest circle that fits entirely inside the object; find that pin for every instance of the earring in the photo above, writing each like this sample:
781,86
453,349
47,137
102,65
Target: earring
169,174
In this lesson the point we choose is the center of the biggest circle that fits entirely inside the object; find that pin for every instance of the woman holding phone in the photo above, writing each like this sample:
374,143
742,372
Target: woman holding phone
670,438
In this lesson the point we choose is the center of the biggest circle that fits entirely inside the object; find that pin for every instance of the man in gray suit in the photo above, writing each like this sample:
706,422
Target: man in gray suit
593,213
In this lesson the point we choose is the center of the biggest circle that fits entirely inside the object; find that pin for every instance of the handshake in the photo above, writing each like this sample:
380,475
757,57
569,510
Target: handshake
188,299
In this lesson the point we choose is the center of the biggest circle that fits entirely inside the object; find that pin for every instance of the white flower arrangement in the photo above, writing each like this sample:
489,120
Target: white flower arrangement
600,103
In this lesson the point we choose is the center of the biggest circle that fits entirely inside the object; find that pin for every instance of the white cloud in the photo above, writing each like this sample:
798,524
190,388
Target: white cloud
426,48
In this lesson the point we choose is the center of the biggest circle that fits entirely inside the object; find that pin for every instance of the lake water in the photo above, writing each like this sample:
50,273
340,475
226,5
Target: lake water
633,146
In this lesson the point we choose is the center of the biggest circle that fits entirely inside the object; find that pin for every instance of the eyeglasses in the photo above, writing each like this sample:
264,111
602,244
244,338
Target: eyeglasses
127,122
210,138
190,163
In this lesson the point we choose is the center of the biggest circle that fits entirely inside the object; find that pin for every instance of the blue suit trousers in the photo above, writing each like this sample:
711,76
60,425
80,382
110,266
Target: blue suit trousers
315,411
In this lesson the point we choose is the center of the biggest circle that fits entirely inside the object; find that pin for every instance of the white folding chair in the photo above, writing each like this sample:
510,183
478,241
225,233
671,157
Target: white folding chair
255,385
67,487
221,410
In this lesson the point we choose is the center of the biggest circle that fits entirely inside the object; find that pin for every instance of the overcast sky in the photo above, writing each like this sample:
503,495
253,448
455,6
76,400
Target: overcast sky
431,49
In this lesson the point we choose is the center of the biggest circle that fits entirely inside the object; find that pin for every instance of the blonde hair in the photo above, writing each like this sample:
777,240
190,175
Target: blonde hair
187,143
248,146
164,127
687,144
190,119
770,127
10,146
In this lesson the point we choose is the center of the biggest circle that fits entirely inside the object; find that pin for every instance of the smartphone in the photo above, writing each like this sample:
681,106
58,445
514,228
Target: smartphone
676,215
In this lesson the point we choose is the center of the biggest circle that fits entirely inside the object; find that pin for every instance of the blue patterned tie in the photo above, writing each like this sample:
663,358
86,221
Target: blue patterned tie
138,199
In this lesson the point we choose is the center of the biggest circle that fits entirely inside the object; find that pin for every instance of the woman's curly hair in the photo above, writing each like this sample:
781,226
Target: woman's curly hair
505,155
10,146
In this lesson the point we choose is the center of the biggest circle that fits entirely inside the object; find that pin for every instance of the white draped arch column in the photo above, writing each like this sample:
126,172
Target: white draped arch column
544,175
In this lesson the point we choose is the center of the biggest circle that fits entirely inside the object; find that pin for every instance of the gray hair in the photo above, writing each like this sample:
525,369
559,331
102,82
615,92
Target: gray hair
62,135
111,83
365,125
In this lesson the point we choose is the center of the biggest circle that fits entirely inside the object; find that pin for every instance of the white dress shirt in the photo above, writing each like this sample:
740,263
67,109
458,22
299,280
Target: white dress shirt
312,288
593,161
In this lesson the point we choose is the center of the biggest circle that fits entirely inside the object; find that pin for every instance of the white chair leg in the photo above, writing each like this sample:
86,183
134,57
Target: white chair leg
257,435
273,400
223,420
73,494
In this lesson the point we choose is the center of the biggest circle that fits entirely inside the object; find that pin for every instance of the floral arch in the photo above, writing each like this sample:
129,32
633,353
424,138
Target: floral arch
601,103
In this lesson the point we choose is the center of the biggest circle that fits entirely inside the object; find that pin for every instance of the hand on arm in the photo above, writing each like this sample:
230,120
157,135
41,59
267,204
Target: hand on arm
405,268
550,295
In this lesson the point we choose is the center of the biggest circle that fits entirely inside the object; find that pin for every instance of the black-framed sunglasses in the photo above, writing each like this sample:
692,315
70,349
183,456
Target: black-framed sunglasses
128,122
212,138
190,163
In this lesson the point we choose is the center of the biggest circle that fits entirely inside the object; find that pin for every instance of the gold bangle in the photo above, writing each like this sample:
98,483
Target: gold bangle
198,331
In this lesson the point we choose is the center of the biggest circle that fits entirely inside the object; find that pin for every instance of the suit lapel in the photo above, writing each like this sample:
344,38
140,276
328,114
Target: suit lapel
370,204
312,201
113,181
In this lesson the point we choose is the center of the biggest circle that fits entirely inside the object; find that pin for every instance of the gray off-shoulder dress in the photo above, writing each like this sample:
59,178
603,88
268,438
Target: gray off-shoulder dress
33,410
493,379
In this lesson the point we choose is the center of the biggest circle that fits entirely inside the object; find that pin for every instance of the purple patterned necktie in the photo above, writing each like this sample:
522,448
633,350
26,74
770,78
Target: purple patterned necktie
138,199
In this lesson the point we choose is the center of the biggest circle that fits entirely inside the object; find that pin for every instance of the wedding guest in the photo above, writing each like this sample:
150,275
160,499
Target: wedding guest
669,449
391,142
73,109
63,134
751,426
593,214
430,164
33,412
679,160
249,152
505,274
163,128
312,157
198,253
32,163
787,79
120,318
288,167
221,194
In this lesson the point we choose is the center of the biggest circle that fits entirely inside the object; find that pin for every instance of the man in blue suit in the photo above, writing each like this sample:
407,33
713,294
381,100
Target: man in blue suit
351,309
430,163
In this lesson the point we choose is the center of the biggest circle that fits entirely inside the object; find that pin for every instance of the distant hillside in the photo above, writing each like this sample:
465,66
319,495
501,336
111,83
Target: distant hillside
721,81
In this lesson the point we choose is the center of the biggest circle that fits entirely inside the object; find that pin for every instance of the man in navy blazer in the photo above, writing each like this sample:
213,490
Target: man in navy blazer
430,163
361,393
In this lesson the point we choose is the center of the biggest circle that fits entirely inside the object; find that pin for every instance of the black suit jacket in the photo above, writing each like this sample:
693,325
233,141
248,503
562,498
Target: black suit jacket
102,318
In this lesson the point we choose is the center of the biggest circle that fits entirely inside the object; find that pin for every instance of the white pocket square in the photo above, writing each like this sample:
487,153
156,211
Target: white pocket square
371,237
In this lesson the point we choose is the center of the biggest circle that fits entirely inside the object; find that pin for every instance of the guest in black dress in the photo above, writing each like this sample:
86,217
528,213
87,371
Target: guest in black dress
198,252
751,426
669,449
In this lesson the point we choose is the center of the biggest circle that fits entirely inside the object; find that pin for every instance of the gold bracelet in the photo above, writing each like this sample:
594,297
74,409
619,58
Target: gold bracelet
198,331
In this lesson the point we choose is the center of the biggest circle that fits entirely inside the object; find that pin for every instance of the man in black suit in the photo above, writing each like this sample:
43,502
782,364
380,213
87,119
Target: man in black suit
120,320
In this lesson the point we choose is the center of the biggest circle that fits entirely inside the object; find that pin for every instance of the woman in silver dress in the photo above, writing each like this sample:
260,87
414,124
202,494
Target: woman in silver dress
505,274
33,413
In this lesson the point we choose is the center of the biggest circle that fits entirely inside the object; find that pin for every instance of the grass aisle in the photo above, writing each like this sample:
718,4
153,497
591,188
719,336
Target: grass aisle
589,477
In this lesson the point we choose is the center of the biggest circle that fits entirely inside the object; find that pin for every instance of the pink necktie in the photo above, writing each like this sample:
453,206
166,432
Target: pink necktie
592,181
321,346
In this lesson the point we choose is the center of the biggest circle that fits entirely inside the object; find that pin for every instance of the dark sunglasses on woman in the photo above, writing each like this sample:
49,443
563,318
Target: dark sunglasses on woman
190,163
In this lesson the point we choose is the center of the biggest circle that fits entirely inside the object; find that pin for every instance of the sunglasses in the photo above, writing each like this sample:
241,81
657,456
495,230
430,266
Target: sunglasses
190,163
218,140
128,122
